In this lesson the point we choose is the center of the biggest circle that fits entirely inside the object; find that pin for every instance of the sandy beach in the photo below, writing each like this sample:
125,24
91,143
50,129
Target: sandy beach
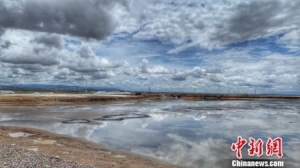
76,150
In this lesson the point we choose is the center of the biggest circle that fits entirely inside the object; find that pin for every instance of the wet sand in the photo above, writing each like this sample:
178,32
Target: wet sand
74,149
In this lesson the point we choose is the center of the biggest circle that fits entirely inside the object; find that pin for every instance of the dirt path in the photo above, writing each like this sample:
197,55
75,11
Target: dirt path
74,149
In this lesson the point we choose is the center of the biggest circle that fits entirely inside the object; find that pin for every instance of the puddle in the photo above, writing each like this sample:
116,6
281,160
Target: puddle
121,117
44,142
187,133
33,149
74,121
19,134
120,156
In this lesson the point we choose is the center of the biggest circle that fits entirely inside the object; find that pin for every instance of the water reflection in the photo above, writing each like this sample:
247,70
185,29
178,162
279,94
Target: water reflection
192,134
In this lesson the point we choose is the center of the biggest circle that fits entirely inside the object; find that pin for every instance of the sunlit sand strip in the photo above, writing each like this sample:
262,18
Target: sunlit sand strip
74,149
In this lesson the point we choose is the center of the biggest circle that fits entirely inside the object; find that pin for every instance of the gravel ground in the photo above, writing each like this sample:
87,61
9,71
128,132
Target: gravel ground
16,157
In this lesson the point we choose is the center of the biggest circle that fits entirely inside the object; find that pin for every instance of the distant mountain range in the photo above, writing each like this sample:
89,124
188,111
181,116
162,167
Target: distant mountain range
45,87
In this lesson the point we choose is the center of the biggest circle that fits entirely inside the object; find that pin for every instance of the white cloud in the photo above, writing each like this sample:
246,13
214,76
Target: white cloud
172,27
85,61
291,40
142,77
157,69
179,75
40,57
209,24
143,72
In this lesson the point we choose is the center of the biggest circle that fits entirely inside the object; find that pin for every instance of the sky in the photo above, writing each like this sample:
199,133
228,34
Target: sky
224,46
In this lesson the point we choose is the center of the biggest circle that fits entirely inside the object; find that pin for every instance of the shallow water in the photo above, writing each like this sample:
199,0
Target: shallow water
187,133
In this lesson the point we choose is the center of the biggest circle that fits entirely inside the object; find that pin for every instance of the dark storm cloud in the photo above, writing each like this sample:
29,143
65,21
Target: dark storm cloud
1,28
58,77
83,18
20,72
256,19
82,69
65,74
257,85
22,60
29,67
214,71
214,79
178,78
29,58
50,40
102,75
6,44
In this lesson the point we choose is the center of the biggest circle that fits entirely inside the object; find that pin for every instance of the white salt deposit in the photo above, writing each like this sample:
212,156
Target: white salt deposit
120,156
19,134
111,93
6,92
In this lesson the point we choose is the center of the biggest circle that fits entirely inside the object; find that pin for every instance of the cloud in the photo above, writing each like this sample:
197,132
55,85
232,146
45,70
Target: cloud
35,55
179,76
103,75
214,79
25,60
49,40
30,68
64,74
212,24
144,68
42,57
198,72
142,72
2,30
245,24
291,40
234,45
157,69
85,52
88,19
214,71
142,77
292,37
6,44
128,70
233,70
85,61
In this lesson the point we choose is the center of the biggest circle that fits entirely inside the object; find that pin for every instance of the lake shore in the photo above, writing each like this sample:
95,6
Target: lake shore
77,150
49,98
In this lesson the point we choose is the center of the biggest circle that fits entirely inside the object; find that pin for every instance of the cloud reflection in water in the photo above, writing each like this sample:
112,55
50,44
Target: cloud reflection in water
192,134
